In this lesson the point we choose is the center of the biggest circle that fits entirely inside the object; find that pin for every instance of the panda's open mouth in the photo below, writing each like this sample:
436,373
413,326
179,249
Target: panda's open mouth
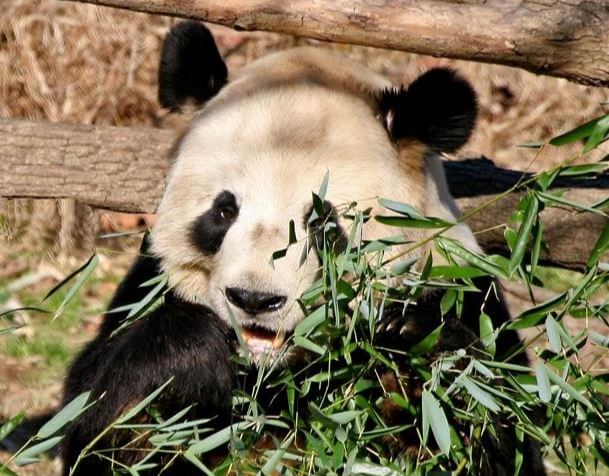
260,340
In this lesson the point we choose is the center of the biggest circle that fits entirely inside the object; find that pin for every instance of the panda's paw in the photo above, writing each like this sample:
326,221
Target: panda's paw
401,330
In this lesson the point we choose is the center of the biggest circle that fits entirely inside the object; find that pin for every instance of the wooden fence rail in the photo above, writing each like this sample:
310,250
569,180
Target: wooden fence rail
124,169
562,38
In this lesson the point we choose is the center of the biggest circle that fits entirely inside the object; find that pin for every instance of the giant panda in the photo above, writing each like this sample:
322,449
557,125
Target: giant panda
260,142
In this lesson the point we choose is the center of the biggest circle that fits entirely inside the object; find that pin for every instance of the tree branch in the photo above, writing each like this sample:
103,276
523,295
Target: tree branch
124,169
562,38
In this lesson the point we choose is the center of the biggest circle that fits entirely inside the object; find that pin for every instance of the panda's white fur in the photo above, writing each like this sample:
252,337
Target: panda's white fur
269,137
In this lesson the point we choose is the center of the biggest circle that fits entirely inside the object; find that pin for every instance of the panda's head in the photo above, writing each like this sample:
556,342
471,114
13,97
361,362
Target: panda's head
262,142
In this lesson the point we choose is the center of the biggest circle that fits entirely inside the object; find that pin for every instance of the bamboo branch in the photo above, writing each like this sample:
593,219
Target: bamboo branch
124,169
562,38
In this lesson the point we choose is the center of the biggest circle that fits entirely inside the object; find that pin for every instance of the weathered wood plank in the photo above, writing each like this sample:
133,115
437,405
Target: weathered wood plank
562,38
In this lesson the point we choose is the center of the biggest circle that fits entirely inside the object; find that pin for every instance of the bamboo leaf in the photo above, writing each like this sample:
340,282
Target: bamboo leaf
10,425
455,248
309,345
543,383
597,135
599,248
578,133
487,333
428,343
64,416
409,222
85,271
143,404
524,232
402,208
217,439
32,454
62,283
564,385
311,321
480,395
531,317
553,334
434,415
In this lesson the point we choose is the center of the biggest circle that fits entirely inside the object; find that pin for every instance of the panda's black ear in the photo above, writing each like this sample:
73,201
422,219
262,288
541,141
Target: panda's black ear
191,68
439,109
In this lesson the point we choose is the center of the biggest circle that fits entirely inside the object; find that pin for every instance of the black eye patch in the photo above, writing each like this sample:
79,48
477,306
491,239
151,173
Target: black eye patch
318,226
208,231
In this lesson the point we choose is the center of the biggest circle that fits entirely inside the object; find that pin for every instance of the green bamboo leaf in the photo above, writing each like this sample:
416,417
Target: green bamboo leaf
311,321
319,415
4,471
217,439
480,395
599,248
598,339
531,317
271,466
448,301
198,463
146,300
536,247
143,404
309,345
157,279
455,248
371,469
569,389
456,272
345,417
409,222
323,189
531,145
510,235
553,334
434,417
555,198
428,343
62,283
487,333
597,135
64,416
524,232
10,425
32,454
398,207
543,383
582,169
576,134
85,271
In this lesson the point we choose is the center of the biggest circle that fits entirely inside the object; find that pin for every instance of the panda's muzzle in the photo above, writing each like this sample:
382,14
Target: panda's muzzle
255,302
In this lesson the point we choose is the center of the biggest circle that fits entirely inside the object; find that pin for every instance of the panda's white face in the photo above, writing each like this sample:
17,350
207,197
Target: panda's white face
248,167
251,159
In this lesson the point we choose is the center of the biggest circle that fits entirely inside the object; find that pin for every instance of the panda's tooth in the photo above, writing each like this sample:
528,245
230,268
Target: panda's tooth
279,340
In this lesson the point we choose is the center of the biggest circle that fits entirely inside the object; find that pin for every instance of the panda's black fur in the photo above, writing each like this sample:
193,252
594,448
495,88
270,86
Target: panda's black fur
189,344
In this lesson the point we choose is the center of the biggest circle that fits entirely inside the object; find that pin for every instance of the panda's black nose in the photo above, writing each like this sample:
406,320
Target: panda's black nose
254,302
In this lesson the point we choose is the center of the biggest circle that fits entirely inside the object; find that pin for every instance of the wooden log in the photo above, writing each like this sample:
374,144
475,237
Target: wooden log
562,38
124,169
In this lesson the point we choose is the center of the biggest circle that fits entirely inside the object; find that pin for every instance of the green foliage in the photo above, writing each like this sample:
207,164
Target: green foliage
334,422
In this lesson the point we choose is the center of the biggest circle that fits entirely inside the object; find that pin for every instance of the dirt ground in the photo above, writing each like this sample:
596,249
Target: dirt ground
65,62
